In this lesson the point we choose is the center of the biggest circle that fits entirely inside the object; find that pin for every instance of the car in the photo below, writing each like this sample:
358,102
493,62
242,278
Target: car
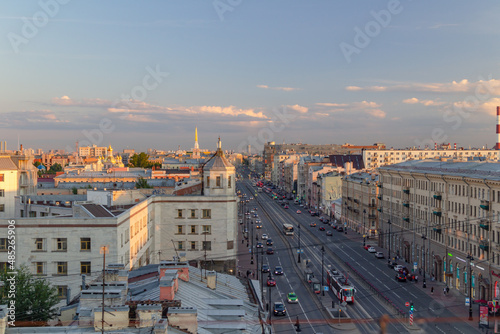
286,206
400,277
398,267
270,251
392,264
258,225
255,215
372,250
271,281
247,213
269,242
260,245
264,236
265,268
312,224
379,255
329,233
340,229
258,221
291,297
299,212
278,270
313,213
279,309
322,228
366,247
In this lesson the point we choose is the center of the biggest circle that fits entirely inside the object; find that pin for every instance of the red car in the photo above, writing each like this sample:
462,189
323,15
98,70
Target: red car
271,282
286,206
366,247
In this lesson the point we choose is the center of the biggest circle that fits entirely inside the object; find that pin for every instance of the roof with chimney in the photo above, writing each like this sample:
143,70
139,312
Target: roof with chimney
339,160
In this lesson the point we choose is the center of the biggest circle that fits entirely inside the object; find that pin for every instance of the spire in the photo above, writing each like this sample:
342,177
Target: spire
196,146
219,148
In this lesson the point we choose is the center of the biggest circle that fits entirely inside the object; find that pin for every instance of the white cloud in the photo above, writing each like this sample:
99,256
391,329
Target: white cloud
426,103
286,89
298,108
368,107
67,101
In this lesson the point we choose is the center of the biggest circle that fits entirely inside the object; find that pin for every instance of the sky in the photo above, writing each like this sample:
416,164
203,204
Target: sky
144,74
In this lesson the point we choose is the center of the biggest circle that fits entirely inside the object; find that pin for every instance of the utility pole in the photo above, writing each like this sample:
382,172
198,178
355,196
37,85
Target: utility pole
389,257
205,256
470,258
423,245
364,230
322,266
103,251
270,305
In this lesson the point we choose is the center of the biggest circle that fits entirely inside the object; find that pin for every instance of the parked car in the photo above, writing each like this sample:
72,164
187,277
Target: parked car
366,247
372,250
271,281
379,255
270,251
392,264
279,309
400,277
278,270
398,267
291,297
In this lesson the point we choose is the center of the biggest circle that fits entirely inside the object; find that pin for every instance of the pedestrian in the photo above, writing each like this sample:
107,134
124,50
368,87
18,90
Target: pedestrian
444,291
447,290
416,278
432,290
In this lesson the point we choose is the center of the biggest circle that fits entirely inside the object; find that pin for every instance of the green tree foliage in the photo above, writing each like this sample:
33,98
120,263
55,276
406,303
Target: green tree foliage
139,160
75,191
55,168
34,298
142,183
37,163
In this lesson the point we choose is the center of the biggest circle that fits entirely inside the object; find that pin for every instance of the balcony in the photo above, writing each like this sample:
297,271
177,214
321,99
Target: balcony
406,204
406,219
406,190
437,229
484,224
485,205
379,197
437,212
356,201
437,196
380,185
484,245
380,210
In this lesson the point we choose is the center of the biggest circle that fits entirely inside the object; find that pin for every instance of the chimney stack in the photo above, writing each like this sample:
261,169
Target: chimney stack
455,146
497,147
435,146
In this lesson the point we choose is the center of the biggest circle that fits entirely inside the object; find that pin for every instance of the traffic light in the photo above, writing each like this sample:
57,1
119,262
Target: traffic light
411,306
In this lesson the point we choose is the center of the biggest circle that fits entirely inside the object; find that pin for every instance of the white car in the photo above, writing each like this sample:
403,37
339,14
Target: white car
264,236
398,267
372,250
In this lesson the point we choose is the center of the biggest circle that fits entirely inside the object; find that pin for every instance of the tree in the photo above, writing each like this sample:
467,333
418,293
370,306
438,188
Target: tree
37,163
139,160
142,183
75,191
34,298
55,168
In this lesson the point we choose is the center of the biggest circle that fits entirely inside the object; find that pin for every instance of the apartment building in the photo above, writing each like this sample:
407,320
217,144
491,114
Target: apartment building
360,198
442,216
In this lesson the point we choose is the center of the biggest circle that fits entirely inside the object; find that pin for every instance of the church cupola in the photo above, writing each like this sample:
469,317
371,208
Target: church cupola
218,175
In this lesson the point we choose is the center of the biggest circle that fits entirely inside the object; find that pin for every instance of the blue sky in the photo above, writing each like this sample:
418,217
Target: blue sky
144,74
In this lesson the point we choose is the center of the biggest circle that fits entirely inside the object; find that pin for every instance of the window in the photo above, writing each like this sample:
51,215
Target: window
180,229
193,229
84,268
62,268
40,268
127,235
39,244
2,177
207,229
61,244
32,214
207,213
193,245
2,192
179,213
208,181
180,245
217,181
207,245
85,244
62,291
193,213
3,244
2,207
229,182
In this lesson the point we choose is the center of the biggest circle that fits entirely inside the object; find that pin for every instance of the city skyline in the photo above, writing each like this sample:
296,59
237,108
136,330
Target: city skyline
129,75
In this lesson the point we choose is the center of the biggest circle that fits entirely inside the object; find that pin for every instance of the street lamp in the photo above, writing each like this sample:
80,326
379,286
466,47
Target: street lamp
423,247
298,256
322,265
470,258
389,257
364,233
251,248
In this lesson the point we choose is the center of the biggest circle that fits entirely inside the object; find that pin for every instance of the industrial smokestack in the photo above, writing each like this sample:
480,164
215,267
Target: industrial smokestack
455,146
435,146
497,147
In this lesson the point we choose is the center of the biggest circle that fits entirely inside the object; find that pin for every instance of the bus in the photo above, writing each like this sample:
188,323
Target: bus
288,229
316,286
340,286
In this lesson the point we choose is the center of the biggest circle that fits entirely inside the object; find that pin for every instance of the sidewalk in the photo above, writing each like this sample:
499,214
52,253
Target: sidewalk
243,265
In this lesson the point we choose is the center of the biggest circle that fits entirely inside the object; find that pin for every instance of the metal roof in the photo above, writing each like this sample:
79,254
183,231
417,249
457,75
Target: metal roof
7,164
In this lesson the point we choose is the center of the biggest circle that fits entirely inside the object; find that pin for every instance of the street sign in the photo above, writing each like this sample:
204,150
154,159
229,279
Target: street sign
467,301
300,251
325,288
415,265
407,304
